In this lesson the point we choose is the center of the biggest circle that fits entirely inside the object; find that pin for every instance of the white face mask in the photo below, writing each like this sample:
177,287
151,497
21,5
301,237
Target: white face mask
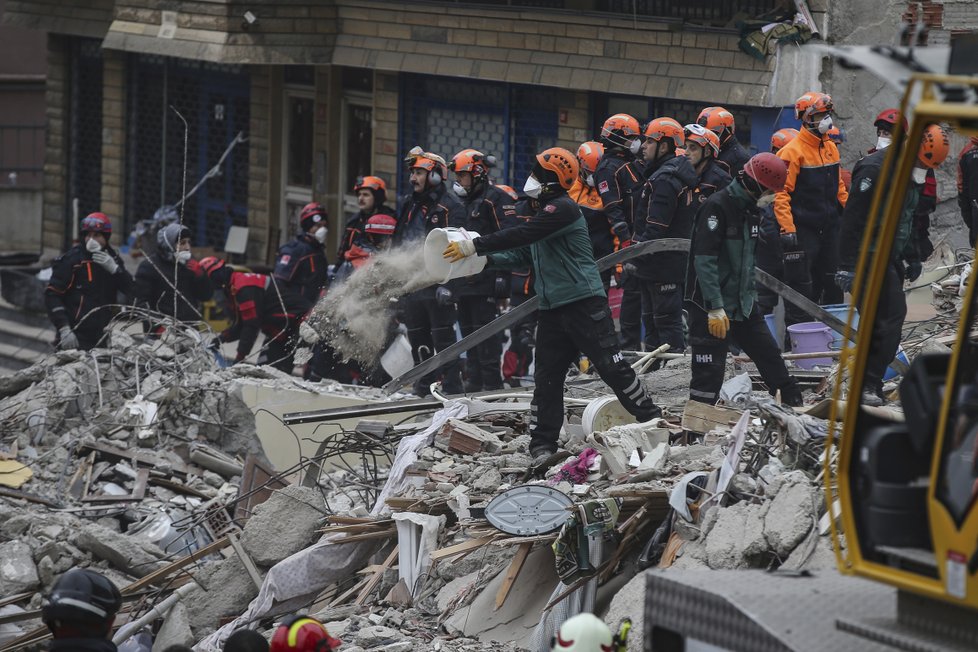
825,124
532,187
183,256
919,175
92,245
883,142
320,234
765,200
635,146
459,189
590,180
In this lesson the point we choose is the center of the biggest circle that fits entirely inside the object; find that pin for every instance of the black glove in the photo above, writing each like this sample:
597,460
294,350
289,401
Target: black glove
621,231
789,241
912,270
215,343
845,279
444,297
628,272
500,289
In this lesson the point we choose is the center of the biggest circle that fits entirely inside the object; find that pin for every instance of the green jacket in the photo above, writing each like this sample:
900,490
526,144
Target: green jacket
720,273
556,242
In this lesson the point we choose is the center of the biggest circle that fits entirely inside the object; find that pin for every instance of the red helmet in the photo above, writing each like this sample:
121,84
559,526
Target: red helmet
96,223
665,128
767,170
312,213
302,634
887,119
717,119
782,137
211,264
381,224
702,136
589,155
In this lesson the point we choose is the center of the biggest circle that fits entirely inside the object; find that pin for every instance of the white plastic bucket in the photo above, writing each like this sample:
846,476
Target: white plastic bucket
397,358
603,413
441,269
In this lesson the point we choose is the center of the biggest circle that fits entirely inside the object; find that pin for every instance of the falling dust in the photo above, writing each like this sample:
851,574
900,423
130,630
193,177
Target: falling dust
354,316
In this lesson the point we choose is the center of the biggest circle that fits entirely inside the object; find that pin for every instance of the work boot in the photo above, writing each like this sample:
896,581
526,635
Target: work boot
791,396
871,399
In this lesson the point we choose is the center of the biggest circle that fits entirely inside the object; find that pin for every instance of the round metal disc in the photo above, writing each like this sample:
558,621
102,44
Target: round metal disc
529,510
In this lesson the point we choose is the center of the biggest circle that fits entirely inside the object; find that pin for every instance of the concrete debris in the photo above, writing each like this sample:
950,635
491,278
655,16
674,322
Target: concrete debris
175,629
128,554
283,525
17,571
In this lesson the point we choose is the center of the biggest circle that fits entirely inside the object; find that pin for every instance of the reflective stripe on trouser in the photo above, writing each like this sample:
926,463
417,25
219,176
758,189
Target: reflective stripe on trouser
564,333
662,314
710,355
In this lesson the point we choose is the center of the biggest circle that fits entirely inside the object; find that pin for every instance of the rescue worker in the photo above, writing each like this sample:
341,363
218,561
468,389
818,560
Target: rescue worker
587,197
702,148
256,305
768,255
968,187
171,281
721,299
618,179
301,264
809,207
371,194
487,209
584,632
721,122
376,236
892,307
302,634
669,184
85,281
79,612
430,313
574,316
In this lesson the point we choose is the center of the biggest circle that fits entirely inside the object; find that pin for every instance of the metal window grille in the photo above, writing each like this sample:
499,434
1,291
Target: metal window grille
21,155
214,100
84,182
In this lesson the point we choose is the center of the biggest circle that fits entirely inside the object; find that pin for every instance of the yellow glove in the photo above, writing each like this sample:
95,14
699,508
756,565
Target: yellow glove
456,251
718,323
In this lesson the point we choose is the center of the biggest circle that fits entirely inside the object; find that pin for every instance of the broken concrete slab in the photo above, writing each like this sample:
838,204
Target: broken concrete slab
376,636
737,539
629,602
18,573
283,525
175,630
128,554
224,591
791,515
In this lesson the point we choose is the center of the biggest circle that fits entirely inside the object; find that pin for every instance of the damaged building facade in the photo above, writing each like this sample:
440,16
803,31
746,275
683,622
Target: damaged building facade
291,101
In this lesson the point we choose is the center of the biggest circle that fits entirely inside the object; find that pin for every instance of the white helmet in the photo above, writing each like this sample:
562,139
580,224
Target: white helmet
583,633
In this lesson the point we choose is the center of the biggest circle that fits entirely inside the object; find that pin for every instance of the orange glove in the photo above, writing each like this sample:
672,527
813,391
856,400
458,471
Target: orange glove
718,323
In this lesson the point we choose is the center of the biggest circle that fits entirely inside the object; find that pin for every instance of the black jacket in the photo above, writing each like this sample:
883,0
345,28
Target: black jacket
354,232
300,268
490,210
155,282
661,214
435,208
79,287
618,181
733,156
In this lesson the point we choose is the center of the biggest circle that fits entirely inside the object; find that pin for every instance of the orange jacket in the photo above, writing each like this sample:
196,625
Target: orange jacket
814,192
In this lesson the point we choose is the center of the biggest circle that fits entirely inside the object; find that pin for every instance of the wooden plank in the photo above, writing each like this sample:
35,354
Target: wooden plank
166,571
512,573
249,565
459,548
702,418
346,595
515,541
376,577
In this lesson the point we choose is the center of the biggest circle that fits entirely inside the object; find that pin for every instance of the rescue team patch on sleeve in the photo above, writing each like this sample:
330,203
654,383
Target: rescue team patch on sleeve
550,208
712,222
865,184
603,187
284,260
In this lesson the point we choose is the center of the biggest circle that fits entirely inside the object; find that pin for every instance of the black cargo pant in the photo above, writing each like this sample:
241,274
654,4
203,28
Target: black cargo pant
710,356
662,314
482,368
431,328
887,328
630,317
280,324
814,274
769,257
586,327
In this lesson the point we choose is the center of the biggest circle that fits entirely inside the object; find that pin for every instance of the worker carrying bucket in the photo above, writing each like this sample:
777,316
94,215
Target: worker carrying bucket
574,316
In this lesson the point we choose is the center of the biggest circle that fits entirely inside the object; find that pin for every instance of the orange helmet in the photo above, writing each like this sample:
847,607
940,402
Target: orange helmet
934,146
821,103
589,155
302,634
836,135
508,190
620,129
702,136
717,119
471,160
782,137
803,102
562,164
434,164
660,128
369,183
